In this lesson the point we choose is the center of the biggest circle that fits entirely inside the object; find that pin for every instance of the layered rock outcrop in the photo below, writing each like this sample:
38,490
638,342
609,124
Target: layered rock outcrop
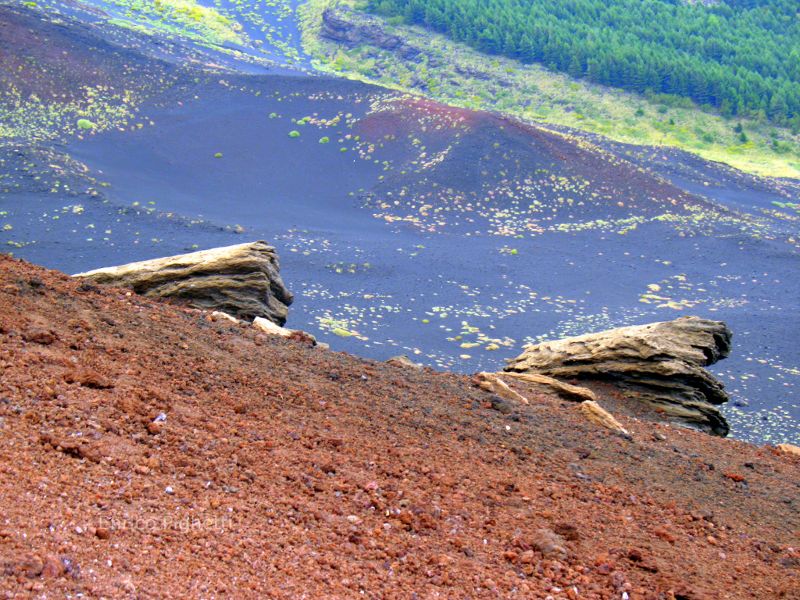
659,365
242,280
345,27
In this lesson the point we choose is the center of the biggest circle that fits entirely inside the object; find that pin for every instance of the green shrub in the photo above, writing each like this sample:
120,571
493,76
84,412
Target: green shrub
294,134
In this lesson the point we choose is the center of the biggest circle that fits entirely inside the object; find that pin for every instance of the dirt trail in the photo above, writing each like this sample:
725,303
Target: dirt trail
148,452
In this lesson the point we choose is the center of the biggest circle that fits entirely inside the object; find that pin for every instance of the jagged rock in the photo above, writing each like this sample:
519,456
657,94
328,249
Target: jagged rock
564,390
600,416
403,361
659,364
243,280
218,315
492,383
345,27
267,326
789,449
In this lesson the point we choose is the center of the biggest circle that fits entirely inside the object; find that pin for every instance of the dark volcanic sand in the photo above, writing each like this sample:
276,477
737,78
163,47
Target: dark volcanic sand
451,236
282,471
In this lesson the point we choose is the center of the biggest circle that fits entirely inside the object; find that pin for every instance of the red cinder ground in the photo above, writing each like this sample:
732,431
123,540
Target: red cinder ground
285,471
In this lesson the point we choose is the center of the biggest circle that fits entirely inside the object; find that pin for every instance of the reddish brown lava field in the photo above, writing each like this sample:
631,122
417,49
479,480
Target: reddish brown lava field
285,471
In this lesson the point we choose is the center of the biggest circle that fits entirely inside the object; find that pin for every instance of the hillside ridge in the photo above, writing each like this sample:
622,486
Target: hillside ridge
161,453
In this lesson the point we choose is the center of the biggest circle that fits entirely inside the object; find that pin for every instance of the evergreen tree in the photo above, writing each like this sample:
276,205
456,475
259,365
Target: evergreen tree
740,56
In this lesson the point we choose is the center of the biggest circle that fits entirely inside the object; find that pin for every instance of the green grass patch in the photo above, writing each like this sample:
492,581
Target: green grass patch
186,18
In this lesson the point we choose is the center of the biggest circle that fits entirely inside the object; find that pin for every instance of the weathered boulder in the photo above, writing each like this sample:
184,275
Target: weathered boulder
242,280
659,365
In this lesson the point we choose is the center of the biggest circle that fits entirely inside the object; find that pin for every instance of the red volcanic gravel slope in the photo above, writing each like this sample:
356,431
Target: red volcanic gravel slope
147,452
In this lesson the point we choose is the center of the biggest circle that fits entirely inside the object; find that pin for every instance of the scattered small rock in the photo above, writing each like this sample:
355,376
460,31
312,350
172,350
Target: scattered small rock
126,584
568,531
664,534
492,383
31,566
500,405
53,567
600,416
90,379
302,337
218,315
549,543
403,361
45,337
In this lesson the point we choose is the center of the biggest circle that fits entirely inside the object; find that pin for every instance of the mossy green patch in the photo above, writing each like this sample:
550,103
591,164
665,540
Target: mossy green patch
186,18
